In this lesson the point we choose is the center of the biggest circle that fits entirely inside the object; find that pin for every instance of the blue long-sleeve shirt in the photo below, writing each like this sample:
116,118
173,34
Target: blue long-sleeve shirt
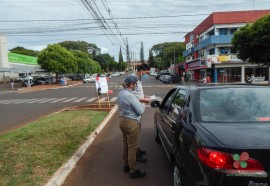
129,105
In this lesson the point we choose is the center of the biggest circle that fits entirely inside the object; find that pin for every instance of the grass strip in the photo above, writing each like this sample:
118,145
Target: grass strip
30,155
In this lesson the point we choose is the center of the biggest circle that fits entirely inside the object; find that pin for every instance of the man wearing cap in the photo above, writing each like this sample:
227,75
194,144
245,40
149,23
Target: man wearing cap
130,111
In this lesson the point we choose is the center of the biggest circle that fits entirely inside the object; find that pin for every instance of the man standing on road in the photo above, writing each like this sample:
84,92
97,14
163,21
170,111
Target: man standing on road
12,83
130,111
142,73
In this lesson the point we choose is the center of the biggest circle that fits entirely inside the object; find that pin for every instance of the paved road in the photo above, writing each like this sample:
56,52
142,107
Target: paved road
101,165
18,108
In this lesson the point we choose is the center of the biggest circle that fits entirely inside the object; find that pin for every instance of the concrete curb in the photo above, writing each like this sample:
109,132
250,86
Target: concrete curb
61,174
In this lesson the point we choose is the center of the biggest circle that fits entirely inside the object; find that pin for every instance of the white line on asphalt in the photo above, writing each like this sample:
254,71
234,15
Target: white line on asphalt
69,100
79,100
55,101
90,100
47,100
36,100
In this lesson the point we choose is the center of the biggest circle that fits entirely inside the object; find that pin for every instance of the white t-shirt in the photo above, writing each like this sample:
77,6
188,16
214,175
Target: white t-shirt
138,92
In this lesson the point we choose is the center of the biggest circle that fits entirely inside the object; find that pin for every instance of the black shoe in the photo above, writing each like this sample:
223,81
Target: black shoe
141,159
126,168
137,174
140,151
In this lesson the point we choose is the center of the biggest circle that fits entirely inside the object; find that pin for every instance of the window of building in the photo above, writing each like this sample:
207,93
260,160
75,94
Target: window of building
233,30
211,51
223,31
223,50
191,37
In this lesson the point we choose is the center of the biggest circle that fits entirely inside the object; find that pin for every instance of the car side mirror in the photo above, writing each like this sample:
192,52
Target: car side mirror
155,103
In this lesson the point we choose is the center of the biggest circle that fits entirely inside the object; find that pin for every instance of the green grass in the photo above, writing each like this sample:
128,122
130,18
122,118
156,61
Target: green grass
30,155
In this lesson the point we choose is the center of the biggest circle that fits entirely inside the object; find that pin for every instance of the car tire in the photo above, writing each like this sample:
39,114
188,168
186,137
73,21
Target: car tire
177,178
171,82
156,136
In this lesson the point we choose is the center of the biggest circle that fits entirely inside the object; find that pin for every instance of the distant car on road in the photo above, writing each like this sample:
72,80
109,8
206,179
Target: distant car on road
216,135
160,74
90,79
171,79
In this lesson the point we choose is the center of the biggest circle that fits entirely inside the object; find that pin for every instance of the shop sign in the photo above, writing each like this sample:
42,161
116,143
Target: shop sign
194,64
213,59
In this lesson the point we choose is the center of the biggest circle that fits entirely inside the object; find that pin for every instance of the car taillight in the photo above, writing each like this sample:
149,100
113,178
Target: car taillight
224,162
215,159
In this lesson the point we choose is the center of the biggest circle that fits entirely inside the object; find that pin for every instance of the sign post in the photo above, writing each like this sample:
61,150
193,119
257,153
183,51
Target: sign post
102,88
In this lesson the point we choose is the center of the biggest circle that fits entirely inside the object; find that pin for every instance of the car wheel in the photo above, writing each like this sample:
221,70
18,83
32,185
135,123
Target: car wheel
177,180
156,136
171,82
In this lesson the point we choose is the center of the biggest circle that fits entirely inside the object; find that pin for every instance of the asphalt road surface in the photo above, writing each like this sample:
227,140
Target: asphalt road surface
19,109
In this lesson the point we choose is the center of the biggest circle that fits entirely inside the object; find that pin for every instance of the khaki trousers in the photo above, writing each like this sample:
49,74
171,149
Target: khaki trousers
130,130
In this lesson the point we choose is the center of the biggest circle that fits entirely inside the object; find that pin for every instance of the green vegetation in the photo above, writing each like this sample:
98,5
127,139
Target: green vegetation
252,42
32,154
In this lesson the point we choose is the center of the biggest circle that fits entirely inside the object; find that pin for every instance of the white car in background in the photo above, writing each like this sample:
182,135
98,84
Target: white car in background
90,79
116,74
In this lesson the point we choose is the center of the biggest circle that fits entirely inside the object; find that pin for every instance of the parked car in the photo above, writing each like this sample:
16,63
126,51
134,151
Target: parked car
160,74
216,135
89,79
171,79
116,74
44,80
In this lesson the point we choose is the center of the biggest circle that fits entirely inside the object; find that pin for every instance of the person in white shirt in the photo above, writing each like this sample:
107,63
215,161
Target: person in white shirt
142,73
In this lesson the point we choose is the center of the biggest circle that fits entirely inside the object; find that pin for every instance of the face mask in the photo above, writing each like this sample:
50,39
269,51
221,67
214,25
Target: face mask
145,76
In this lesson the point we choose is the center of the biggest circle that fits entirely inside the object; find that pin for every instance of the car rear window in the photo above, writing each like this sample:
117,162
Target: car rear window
239,105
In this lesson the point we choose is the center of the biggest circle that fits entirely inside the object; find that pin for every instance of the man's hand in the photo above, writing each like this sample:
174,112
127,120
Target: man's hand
145,100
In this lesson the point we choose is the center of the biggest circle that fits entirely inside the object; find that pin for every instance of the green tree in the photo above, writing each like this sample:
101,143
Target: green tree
24,51
151,61
142,53
104,61
120,60
85,64
168,52
82,46
57,59
113,66
123,66
252,42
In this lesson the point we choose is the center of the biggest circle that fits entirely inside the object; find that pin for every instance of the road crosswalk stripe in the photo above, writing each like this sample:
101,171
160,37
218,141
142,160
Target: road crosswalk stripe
90,100
23,101
79,100
58,100
47,100
68,100
35,100
113,99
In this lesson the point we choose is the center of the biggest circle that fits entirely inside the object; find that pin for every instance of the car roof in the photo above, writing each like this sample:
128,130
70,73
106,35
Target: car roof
216,86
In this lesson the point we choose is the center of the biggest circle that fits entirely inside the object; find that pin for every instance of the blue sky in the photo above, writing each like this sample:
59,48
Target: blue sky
35,24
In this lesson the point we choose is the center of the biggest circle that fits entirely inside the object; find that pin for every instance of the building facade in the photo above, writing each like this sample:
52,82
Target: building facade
209,52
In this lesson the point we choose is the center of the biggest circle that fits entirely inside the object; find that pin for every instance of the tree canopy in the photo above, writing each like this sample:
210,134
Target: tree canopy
142,53
252,42
104,60
167,53
85,64
24,51
82,46
57,59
